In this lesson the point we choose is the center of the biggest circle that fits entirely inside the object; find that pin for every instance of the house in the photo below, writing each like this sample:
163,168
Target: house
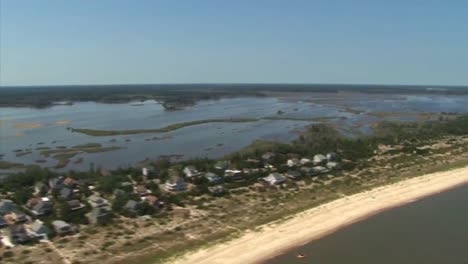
319,160
144,172
97,201
222,165
6,206
213,178
40,188
153,201
3,223
141,190
333,165
18,234
75,205
56,183
293,174
233,175
253,161
175,184
39,230
69,182
268,156
66,193
320,169
308,171
131,207
99,215
18,217
293,162
126,186
332,156
274,179
191,172
304,161
62,228
216,190
43,207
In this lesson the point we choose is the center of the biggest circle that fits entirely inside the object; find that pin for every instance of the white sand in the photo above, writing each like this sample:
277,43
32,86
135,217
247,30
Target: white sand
254,247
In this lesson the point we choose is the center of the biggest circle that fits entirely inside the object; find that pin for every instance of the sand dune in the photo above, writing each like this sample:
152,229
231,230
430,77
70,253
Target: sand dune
255,247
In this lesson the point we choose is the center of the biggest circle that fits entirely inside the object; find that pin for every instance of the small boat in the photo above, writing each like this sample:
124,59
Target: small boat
300,256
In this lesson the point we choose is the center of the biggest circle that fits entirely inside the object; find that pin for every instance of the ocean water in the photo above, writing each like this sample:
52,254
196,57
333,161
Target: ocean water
433,230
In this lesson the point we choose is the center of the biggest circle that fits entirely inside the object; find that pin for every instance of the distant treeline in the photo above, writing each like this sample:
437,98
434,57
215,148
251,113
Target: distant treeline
174,96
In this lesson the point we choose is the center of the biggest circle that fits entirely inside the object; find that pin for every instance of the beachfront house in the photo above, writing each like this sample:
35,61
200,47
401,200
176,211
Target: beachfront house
333,165
191,172
39,230
62,228
274,179
293,162
175,184
18,234
319,160
332,157
320,169
217,190
213,178
233,175
293,175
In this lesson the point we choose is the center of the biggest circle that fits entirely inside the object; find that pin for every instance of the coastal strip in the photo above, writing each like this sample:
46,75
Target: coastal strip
278,237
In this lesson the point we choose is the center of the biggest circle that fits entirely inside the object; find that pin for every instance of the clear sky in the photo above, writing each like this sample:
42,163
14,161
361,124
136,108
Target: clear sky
46,42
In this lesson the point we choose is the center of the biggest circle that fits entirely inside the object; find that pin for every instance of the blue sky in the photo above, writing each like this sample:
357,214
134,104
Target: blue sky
55,42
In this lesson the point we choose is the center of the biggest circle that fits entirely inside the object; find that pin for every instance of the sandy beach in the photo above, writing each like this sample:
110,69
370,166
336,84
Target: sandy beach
274,239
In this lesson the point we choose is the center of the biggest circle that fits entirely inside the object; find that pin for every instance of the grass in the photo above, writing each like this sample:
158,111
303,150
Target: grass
97,133
4,165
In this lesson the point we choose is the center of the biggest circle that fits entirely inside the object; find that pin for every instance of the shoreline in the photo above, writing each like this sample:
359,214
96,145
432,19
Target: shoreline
278,237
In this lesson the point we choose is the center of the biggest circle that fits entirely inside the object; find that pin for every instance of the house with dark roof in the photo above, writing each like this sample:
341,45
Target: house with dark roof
66,193
6,206
3,223
18,234
75,205
44,207
293,175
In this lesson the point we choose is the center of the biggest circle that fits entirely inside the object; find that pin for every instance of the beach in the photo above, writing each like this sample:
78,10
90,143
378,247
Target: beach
281,236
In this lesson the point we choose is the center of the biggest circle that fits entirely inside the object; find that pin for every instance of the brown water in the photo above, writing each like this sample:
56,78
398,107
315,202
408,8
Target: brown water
433,230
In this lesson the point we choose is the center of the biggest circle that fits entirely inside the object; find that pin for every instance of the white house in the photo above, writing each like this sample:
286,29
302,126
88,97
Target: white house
274,179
